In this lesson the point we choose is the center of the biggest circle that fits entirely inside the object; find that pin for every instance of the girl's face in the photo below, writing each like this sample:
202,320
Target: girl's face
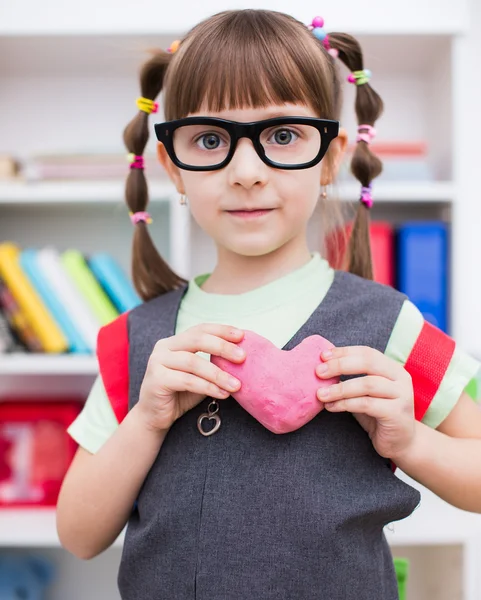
249,208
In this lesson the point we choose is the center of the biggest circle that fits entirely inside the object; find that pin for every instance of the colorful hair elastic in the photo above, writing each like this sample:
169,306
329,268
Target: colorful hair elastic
317,28
360,77
146,105
365,136
174,47
140,216
366,195
136,161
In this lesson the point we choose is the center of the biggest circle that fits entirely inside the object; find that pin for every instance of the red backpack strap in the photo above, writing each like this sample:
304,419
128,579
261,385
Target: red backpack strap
113,358
427,364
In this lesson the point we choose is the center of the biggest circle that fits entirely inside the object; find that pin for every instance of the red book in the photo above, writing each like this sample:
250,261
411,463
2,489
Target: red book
35,450
382,248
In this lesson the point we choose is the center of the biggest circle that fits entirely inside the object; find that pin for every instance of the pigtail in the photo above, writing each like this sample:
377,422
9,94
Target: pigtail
151,275
365,165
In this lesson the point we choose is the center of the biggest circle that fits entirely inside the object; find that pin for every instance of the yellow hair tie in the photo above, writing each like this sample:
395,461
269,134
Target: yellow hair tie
147,106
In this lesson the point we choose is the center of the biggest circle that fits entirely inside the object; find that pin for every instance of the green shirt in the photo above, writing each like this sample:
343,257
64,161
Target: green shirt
277,311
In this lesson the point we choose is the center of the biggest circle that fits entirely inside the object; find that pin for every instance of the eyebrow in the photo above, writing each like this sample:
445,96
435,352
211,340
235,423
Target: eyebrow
271,115
281,113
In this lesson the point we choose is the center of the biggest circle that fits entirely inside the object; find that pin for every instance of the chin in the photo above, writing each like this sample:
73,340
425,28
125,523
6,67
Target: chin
258,248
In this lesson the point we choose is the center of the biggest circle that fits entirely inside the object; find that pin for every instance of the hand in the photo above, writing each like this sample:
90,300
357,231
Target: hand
177,379
382,401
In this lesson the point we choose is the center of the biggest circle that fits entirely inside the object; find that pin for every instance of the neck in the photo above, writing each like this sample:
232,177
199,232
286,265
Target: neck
237,274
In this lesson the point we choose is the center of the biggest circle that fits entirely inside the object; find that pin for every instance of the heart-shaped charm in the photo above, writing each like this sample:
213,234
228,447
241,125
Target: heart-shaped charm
279,387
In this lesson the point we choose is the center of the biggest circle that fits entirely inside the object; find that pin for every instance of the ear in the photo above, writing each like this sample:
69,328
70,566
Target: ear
337,150
173,172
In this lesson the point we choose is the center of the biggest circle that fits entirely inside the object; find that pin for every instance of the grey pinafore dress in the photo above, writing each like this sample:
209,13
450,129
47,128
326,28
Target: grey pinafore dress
250,515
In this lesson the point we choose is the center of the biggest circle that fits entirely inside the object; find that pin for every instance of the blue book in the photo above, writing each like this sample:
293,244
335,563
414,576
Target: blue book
423,268
29,263
114,281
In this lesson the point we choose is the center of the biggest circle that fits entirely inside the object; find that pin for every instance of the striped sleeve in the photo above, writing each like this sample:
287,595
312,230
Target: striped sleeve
440,370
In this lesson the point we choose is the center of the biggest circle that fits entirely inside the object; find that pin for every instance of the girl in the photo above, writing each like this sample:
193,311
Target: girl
217,506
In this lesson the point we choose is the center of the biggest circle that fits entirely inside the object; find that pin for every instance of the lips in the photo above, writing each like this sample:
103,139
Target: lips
250,213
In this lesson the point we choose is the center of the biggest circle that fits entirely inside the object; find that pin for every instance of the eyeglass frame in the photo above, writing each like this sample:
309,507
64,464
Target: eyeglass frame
328,129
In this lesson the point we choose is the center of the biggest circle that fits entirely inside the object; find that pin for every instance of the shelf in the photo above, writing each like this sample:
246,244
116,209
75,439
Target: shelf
75,192
30,528
41,364
106,192
404,192
434,523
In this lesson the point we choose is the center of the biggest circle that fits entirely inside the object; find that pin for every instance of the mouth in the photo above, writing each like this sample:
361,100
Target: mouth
250,213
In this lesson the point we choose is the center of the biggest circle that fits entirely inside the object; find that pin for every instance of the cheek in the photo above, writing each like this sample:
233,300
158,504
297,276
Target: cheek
202,193
300,193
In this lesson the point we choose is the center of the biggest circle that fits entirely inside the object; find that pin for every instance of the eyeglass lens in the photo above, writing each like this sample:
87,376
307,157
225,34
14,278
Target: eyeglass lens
208,146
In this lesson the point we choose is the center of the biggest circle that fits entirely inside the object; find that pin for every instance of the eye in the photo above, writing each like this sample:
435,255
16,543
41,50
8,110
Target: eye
21,593
209,141
284,136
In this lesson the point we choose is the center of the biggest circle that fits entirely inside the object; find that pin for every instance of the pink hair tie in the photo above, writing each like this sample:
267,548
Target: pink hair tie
136,161
334,52
140,216
365,136
366,195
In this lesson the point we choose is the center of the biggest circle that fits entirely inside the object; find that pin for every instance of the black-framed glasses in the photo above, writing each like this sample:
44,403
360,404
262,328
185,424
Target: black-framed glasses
209,143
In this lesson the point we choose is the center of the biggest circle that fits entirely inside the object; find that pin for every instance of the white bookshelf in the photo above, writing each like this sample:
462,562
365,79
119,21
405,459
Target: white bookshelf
33,365
82,192
74,192
424,63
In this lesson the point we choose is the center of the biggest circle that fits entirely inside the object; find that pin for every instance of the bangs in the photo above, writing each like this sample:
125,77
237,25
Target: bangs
250,59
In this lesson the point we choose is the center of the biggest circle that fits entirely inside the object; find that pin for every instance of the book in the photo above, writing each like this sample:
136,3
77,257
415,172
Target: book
17,321
84,280
40,319
35,450
114,281
382,249
382,238
8,343
76,307
29,263
423,268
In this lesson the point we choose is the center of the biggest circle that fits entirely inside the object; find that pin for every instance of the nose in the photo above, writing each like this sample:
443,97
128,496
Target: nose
246,169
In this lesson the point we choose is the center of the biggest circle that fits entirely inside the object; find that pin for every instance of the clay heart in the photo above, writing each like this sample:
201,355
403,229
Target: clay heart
278,386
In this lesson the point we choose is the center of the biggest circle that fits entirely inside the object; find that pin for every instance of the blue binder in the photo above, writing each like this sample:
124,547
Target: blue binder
28,262
114,281
423,268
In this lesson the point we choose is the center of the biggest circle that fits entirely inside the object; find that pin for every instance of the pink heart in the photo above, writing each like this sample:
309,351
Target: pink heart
278,386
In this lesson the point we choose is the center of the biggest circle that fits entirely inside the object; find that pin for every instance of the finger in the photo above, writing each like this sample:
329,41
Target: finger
198,340
371,385
374,407
196,365
178,381
358,360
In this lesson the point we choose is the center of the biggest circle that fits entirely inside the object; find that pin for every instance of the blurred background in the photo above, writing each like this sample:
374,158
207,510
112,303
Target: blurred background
68,85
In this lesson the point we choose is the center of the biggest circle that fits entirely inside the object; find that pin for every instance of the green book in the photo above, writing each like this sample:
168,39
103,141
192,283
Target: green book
401,566
86,283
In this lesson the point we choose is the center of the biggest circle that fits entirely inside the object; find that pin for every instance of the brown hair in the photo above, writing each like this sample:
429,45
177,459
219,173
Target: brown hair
246,58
